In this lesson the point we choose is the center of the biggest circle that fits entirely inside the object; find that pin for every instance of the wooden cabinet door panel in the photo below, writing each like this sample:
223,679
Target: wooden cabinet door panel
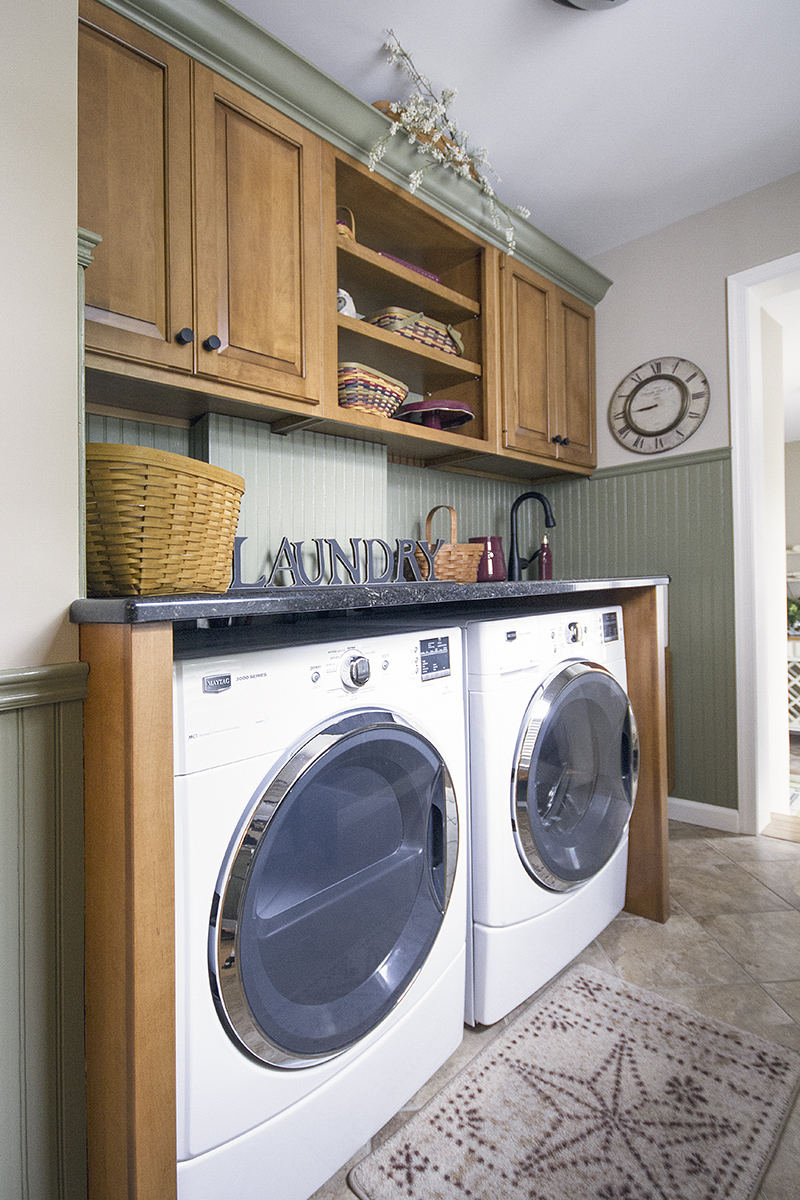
258,243
527,381
134,189
576,408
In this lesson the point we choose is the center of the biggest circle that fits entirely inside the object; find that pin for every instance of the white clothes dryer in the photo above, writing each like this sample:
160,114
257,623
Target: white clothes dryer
554,758
321,884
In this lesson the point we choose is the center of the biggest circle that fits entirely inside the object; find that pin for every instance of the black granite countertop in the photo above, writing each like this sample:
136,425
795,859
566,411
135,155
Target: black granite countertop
343,599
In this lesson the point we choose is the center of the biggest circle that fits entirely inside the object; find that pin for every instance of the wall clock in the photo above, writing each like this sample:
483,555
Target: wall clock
659,405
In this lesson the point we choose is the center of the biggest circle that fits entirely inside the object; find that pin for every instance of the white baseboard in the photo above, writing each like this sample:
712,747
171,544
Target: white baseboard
709,815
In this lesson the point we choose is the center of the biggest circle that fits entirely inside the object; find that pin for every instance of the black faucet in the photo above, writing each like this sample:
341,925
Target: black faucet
516,564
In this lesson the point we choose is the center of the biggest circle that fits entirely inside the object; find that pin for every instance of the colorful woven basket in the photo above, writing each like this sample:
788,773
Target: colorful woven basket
419,328
369,391
453,562
157,523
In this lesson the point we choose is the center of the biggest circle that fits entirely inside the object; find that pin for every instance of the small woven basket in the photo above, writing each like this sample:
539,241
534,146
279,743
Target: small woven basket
369,391
345,222
455,562
157,523
419,328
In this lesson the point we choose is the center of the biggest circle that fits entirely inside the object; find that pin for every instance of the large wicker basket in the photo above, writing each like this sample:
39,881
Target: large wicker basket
453,562
157,523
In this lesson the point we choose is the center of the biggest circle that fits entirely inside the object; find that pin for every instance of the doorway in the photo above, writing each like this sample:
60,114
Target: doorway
757,457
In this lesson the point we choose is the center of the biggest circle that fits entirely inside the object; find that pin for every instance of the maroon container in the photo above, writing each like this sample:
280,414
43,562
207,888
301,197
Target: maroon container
492,567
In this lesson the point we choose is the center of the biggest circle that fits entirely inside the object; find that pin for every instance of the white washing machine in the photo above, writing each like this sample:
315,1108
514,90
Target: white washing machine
554,758
321,884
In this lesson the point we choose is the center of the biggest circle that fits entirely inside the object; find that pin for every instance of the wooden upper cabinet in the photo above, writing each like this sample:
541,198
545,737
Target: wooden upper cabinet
258,256
548,369
134,189
208,203
576,385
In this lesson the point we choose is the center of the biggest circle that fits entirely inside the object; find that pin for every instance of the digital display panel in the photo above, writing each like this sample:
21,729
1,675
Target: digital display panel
610,627
434,657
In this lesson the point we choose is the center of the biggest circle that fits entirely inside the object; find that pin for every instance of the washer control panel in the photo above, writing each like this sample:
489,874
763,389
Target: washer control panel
355,671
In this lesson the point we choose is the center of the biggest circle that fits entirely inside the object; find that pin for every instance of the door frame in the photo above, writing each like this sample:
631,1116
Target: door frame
758,656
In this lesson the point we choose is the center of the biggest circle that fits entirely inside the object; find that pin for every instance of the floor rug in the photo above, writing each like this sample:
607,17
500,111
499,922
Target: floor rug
600,1091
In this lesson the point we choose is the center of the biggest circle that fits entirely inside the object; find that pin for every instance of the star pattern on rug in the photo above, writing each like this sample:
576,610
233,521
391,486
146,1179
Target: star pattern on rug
648,1134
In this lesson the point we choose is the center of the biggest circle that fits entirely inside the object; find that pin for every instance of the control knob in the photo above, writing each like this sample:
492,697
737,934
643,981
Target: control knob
355,671
573,632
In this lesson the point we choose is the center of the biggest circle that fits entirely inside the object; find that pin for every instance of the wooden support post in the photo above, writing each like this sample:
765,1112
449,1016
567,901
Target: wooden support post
648,868
130,912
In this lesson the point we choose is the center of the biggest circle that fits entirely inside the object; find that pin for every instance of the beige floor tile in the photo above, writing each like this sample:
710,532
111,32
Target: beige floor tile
595,956
767,944
681,831
746,1006
782,1180
782,877
787,994
677,953
725,887
694,852
758,849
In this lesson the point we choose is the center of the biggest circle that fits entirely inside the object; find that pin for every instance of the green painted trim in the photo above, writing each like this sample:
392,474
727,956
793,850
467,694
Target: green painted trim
25,687
232,45
722,454
86,244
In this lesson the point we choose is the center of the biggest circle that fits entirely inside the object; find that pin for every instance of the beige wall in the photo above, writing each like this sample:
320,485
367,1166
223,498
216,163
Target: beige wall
668,297
39,449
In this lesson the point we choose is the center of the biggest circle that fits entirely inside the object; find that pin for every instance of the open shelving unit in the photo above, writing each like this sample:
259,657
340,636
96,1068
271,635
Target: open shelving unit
453,283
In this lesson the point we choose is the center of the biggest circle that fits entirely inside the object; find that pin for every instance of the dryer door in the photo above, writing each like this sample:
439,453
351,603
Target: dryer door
575,774
334,890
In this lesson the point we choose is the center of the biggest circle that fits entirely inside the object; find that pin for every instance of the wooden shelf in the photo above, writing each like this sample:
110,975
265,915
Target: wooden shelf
388,283
421,368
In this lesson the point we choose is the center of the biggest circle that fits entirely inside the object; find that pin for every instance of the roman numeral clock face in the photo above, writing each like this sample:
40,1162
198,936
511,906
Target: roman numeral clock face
659,405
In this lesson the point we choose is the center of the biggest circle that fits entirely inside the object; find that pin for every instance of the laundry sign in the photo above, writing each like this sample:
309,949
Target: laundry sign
369,561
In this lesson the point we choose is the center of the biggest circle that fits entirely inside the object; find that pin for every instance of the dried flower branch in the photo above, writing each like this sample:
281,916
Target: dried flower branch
425,117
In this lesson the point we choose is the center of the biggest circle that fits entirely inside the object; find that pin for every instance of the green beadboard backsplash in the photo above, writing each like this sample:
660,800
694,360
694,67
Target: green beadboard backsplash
672,516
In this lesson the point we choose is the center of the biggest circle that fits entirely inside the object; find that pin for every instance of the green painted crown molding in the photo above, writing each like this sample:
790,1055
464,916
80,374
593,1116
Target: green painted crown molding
218,36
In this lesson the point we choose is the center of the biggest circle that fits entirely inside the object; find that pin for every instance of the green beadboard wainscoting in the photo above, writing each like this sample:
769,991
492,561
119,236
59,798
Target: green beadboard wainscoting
667,516
43,1129
671,516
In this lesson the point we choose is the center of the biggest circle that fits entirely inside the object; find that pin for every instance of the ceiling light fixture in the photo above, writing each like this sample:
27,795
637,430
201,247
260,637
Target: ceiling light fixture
593,5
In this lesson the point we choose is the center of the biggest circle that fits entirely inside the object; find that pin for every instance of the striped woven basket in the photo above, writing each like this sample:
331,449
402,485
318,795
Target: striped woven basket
369,391
157,523
419,328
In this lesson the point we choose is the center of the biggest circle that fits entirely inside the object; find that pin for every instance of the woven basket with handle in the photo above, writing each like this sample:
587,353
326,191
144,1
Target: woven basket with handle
157,523
455,562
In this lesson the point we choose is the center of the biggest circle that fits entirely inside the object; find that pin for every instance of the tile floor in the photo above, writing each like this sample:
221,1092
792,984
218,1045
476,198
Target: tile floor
731,949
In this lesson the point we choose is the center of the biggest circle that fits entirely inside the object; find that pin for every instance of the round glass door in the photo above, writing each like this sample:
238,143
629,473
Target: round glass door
575,775
334,890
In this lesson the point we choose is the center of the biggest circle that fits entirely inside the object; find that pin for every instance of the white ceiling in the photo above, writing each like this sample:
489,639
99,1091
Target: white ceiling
606,125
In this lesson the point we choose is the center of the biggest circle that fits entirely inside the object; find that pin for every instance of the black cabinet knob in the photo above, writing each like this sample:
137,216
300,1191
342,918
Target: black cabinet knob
184,336
212,343
560,441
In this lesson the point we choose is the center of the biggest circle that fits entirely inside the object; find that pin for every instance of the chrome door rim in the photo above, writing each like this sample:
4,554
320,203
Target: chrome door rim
535,715
225,975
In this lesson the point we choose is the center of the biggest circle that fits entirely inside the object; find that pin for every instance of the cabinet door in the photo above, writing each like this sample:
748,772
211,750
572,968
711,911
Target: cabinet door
528,334
576,405
548,369
134,189
258,243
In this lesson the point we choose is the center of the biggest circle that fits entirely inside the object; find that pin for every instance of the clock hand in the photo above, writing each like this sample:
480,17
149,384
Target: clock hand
646,408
